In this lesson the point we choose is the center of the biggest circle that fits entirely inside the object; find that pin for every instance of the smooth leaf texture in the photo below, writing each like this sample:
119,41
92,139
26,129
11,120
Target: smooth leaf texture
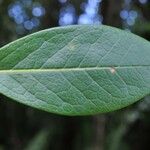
76,70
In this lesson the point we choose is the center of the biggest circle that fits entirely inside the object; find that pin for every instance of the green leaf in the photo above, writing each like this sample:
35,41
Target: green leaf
40,141
76,70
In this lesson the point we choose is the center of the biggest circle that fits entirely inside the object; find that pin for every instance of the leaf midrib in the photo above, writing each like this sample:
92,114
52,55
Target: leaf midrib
71,69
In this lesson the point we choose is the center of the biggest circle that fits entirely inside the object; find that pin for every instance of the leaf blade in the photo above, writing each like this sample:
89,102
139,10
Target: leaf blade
88,73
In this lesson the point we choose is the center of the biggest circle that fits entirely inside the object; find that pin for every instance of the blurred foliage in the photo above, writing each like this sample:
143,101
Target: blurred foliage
22,127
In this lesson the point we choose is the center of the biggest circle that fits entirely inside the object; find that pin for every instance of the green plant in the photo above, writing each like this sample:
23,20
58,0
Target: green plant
76,70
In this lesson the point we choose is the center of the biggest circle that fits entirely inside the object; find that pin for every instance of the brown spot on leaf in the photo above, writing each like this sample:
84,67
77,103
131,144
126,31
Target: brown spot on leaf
112,70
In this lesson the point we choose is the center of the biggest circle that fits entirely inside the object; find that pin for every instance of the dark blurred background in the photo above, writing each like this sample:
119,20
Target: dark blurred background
24,128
